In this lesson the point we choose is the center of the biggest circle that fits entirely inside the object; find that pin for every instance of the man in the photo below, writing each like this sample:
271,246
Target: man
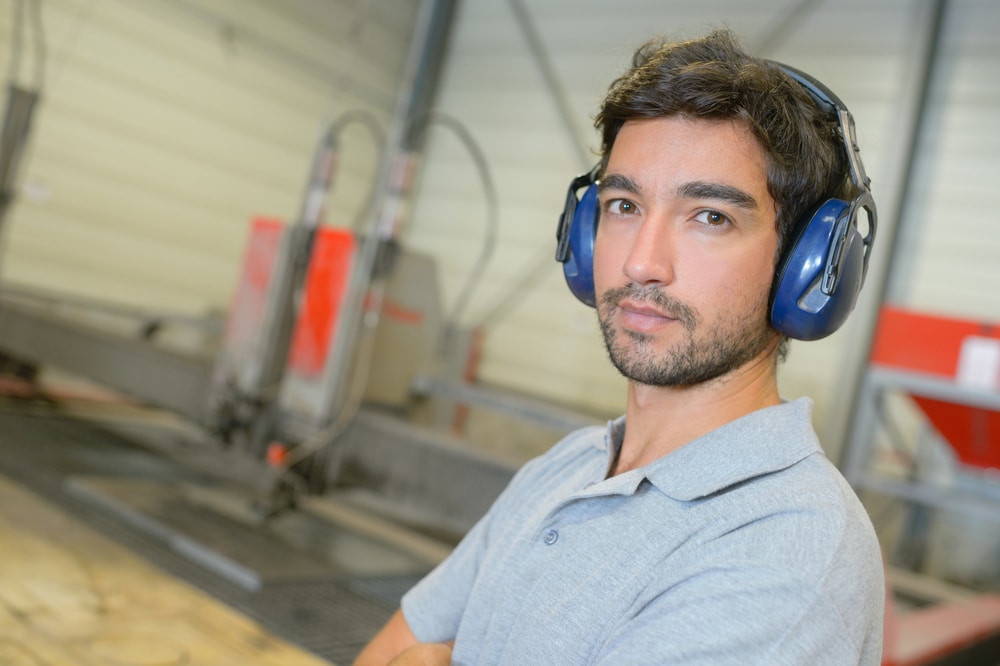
706,526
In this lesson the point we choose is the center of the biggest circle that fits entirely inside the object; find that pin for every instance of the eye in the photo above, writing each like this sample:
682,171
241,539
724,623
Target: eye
712,218
621,207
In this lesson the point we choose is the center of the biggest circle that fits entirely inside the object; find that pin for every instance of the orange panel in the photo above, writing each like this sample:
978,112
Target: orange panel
247,308
932,344
326,284
969,430
923,343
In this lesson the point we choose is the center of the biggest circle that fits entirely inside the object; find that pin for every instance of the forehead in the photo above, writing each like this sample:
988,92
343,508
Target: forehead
683,149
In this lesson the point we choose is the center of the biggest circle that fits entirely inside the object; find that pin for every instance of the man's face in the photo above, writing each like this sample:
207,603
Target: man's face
685,249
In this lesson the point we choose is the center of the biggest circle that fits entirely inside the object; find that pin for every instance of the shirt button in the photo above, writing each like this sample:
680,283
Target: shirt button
551,537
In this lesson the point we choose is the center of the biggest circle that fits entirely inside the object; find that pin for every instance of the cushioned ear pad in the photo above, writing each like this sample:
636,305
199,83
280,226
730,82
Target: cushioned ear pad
579,265
800,308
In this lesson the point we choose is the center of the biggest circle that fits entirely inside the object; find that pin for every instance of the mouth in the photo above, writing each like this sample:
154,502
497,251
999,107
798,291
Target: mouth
646,310
641,316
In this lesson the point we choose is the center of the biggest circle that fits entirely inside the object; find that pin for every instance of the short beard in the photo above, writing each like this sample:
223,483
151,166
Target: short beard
728,345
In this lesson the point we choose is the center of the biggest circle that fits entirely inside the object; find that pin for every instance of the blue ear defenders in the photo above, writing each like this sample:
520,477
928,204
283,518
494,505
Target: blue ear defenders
575,235
821,271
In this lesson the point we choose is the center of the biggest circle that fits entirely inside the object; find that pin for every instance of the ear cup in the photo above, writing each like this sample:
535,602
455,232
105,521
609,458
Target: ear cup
801,307
578,266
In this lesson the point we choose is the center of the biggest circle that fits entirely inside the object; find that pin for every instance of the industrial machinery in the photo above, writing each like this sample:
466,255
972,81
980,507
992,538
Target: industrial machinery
334,369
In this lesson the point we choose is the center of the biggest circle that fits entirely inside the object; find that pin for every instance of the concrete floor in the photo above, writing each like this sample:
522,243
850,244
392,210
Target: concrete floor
69,595
116,554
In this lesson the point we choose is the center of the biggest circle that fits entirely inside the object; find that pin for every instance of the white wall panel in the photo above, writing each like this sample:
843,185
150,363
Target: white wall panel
952,241
165,126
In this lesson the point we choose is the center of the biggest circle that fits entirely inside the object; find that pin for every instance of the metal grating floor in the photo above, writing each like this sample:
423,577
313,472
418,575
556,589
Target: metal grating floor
326,609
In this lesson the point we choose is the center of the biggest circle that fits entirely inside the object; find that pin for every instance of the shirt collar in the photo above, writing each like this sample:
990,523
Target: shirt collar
759,443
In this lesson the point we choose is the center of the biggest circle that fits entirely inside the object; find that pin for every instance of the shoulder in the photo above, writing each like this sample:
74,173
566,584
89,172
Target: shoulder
805,516
794,550
805,527
580,447
568,465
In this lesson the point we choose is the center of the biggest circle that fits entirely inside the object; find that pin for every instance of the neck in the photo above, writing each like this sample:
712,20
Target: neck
692,411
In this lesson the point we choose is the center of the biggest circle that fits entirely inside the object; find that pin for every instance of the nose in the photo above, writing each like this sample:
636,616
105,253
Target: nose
651,257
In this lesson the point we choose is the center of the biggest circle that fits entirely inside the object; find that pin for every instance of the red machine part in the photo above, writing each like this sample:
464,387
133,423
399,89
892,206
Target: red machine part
932,345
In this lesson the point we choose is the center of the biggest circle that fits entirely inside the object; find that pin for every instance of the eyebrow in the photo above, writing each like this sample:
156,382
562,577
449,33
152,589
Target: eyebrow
616,181
694,190
727,193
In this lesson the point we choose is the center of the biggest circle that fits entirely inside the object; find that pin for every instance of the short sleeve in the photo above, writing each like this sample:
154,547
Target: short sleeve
433,607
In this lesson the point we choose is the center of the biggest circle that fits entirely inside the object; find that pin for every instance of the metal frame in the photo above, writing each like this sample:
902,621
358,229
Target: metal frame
164,378
857,463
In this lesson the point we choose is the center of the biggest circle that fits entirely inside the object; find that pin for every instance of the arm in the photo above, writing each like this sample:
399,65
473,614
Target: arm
395,644
424,654
437,603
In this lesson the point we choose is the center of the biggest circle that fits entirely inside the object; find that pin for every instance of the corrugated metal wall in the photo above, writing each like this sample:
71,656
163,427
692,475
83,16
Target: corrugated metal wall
164,126
949,256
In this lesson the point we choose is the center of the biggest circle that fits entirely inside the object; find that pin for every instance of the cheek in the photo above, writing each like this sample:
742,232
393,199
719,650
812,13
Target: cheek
759,269
739,283
607,263
760,277
757,265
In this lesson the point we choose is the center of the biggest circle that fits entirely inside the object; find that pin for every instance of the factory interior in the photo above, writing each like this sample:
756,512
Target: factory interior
279,315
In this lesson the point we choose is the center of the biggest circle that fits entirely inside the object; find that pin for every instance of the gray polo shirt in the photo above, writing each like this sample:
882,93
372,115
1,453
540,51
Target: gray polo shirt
745,546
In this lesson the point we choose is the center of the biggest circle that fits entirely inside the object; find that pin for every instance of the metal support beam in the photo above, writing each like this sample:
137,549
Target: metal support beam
894,193
163,378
